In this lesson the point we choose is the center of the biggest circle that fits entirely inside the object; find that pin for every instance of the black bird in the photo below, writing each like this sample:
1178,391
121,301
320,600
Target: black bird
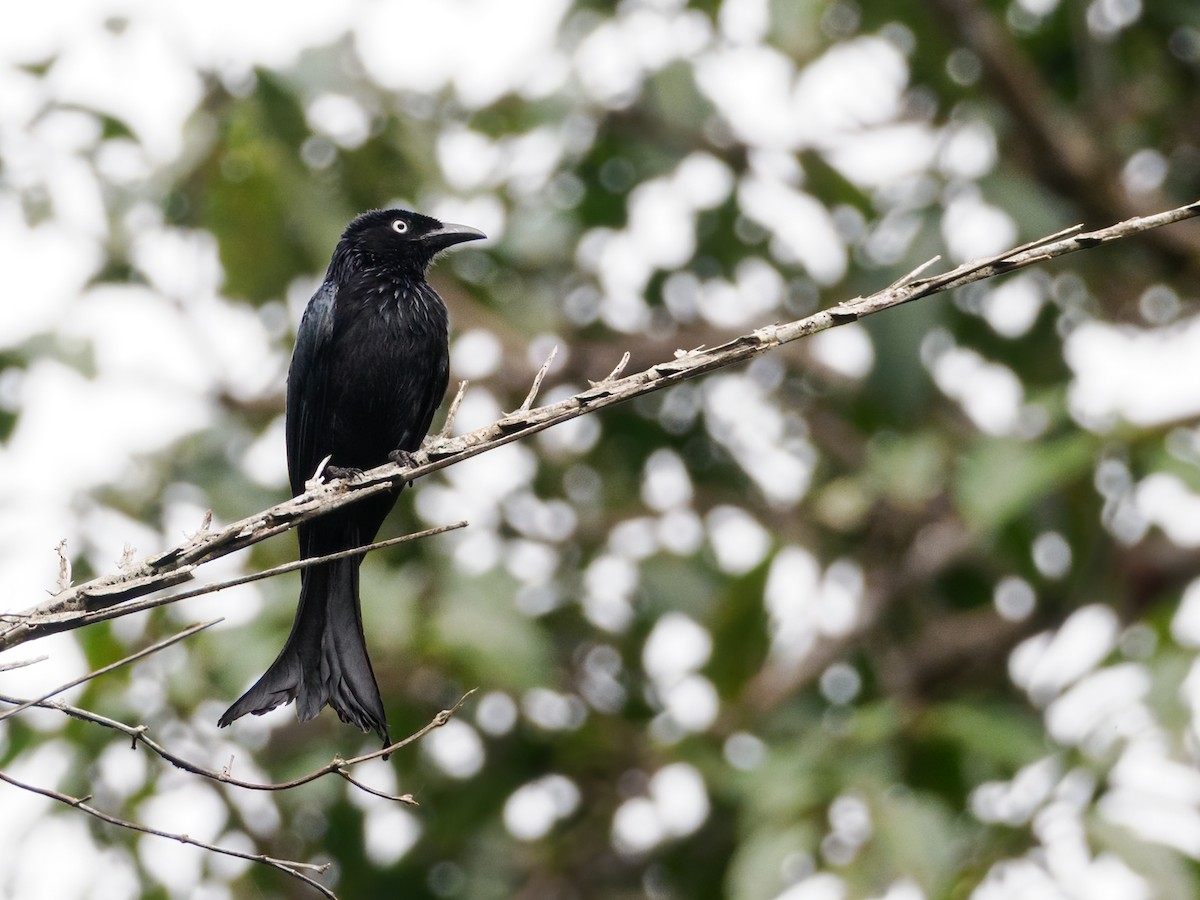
368,371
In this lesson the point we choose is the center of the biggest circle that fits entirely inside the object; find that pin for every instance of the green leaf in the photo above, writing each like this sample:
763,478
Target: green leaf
999,480
909,469
758,868
1006,736
476,622
920,838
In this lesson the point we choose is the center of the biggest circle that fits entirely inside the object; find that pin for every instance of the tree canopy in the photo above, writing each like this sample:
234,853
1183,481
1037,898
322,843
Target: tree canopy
905,609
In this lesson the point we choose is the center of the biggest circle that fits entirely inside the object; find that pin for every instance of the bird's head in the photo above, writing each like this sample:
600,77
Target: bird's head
397,237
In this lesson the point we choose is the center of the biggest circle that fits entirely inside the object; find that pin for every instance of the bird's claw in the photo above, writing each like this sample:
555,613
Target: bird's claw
404,460
338,472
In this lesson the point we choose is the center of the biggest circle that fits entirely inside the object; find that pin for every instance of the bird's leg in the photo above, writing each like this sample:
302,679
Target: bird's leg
342,471
405,460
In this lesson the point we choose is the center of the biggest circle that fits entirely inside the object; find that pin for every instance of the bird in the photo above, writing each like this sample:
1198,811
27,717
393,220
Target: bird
369,369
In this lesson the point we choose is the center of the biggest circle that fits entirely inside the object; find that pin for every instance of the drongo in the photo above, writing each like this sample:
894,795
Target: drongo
368,371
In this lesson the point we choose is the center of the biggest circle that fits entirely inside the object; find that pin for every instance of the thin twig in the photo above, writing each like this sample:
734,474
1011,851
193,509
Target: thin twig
912,276
64,565
448,425
71,620
537,383
1065,149
406,799
615,373
78,620
205,526
960,275
174,565
318,477
289,867
133,657
22,663
138,734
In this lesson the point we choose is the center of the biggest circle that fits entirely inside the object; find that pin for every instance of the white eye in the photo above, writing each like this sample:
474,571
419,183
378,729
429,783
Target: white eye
400,226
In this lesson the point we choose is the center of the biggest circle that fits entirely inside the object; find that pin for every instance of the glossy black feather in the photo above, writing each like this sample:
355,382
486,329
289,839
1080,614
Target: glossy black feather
368,371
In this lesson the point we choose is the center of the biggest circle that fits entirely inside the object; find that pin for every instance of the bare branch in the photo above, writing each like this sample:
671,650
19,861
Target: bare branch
80,619
912,276
205,525
1062,150
537,383
318,477
64,565
22,663
177,564
133,657
288,867
138,734
50,623
615,373
448,425
406,799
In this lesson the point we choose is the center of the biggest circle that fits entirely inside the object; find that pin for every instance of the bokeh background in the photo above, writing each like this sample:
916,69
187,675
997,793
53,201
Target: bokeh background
908,610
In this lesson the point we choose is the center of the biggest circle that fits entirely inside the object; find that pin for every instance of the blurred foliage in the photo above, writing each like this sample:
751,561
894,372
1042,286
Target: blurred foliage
857,655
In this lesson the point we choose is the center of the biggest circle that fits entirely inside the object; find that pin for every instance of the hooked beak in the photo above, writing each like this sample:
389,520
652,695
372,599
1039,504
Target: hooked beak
449,235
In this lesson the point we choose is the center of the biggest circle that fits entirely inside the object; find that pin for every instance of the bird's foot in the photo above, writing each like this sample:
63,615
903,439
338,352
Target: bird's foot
339,472
402,458
405,460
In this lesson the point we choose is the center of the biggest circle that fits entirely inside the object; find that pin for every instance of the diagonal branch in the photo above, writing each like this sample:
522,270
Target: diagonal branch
177,564
22,663
133,657
527,404
78,620
289,867
138,734
448,425
1064,150
41,624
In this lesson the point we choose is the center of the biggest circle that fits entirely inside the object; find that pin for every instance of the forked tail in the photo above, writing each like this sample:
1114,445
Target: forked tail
325,657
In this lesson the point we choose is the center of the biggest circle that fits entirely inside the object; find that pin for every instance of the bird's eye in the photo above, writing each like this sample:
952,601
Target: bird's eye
400,226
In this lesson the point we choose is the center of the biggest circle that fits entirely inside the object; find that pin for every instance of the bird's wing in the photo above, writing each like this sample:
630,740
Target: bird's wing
307,387
434,398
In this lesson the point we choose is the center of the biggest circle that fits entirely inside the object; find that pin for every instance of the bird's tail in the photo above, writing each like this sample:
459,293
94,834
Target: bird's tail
325,657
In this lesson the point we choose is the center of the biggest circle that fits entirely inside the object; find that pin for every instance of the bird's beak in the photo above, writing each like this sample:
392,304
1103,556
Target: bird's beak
449,235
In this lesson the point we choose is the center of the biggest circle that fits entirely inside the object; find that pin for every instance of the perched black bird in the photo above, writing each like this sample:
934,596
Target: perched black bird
368,370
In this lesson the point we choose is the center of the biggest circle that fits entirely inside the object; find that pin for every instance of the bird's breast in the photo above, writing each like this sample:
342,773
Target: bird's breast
387,371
